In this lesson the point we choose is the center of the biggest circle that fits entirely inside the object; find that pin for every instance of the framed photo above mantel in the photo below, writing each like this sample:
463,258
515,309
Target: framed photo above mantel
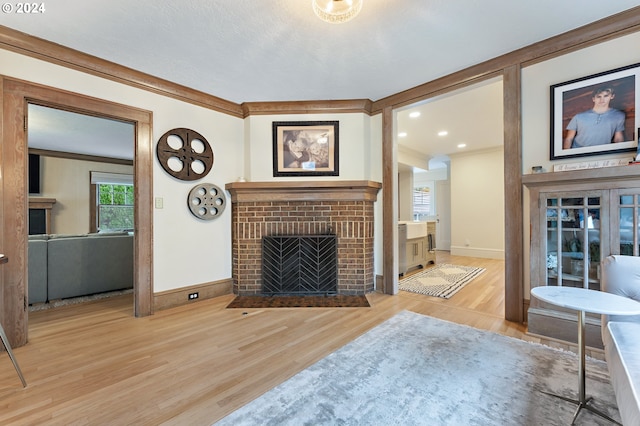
305,148
595,115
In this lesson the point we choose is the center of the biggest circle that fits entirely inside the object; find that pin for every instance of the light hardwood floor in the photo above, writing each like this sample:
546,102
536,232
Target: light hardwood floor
97,364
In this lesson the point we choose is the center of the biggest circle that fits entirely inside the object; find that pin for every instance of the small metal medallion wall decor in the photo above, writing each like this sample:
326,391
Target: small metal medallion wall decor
185,154
207,201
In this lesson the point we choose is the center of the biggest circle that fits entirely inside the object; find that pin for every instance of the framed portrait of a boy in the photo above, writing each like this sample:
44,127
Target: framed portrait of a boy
305,148
595,115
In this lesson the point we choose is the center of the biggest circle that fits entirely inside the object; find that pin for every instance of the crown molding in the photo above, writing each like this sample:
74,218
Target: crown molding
307,107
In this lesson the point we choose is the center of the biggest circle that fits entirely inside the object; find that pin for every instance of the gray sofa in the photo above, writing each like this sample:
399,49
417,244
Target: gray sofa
64,266
621,336
37,264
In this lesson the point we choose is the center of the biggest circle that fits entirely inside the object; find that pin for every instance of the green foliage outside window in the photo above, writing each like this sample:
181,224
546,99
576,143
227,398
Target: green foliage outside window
115,207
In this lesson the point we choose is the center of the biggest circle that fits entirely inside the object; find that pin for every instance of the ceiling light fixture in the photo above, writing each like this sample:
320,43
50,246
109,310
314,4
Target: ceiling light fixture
336,11
443,133
462,145
415,114
402,134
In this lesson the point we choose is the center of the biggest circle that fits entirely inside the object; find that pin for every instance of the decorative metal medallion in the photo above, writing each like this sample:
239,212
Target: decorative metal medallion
185,154
206,201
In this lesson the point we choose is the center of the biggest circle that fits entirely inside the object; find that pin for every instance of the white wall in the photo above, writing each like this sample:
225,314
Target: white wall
373,145
202,249
412,158
427,177
405,194
477,204
353,144
68,181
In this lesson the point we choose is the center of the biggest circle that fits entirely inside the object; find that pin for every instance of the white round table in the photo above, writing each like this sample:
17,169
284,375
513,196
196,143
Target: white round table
585,300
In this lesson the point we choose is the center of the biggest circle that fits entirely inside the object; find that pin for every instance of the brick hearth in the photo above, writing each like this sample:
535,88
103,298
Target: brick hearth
343,208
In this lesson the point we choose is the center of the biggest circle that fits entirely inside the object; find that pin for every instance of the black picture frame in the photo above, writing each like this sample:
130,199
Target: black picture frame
305,148
577,96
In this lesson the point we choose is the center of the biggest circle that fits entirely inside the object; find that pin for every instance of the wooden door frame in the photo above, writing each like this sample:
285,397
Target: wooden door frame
16,95
514,292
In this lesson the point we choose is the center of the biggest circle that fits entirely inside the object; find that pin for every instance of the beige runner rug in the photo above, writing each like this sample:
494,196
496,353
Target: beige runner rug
443,280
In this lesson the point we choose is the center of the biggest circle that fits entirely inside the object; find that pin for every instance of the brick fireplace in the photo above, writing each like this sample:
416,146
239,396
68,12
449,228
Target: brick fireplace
340,208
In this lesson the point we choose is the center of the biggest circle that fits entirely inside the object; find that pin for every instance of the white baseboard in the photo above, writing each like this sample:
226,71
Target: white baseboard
486,253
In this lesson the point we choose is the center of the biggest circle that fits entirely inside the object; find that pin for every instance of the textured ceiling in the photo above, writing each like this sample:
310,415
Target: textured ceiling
278,50
57,130
273,50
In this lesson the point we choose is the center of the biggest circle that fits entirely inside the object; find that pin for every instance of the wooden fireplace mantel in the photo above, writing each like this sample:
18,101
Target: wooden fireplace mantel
582,177
346,190
41,203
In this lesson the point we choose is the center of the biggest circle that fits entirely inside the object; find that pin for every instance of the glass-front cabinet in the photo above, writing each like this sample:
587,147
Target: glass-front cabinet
573,239
581,228
575,224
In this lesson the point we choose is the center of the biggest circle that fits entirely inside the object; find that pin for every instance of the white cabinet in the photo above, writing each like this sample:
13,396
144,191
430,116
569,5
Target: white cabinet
416,245
414,252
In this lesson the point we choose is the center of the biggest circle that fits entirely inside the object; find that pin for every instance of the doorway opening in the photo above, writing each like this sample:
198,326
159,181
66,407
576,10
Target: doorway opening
83,166
451,147
17,95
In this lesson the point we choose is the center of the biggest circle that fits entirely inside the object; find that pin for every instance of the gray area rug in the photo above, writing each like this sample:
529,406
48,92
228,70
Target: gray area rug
417,370
440,281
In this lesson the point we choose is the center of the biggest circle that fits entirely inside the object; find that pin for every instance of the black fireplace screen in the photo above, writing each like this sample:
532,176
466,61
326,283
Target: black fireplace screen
37,221
299,265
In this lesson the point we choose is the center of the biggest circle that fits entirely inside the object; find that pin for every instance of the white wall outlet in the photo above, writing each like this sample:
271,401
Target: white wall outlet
159,202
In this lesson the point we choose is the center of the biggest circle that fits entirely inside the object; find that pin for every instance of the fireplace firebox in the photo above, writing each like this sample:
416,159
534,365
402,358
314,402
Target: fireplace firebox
299,265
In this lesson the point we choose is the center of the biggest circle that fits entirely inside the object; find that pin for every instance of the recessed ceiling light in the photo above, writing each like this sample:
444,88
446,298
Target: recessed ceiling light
402,134
415,114
462,145
443,133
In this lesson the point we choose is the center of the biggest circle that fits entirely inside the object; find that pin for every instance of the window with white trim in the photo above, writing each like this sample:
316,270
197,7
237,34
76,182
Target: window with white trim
421,203
114,197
